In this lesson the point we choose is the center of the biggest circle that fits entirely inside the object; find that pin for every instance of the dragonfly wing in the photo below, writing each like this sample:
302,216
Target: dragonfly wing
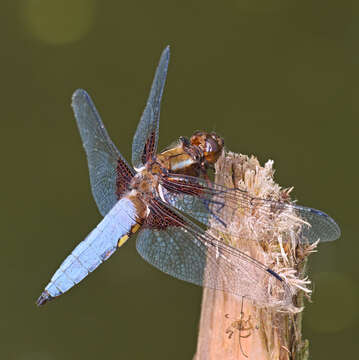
322,226
144,143
183,250
193,205
109,171
98,246
198,197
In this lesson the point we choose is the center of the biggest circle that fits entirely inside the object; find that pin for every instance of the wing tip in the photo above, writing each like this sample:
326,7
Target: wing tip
167,50
336,232
165,56
333,230
79,93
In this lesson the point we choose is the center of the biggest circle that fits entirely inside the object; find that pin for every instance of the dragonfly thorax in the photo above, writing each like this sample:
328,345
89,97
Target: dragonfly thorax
145,182
192,156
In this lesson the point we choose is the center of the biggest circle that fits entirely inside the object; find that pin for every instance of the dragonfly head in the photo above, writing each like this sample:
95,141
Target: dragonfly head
210,144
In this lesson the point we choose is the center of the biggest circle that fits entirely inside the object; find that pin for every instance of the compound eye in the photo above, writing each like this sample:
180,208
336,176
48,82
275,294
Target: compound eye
217,139
213,148
211,145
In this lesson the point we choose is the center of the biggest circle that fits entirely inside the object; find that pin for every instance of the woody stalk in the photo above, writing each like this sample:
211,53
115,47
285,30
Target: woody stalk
235,328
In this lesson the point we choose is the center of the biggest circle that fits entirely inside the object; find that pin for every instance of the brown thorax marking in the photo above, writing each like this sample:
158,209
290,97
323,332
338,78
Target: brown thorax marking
192,156
144,187
180,159
146,181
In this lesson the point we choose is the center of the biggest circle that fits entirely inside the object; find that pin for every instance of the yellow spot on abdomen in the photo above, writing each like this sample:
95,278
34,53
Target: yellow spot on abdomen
135,228
122,240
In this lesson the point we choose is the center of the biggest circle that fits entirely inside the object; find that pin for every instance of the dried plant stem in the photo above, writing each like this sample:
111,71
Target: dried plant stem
234,328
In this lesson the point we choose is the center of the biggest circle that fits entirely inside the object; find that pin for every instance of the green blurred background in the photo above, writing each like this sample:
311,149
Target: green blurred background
276,78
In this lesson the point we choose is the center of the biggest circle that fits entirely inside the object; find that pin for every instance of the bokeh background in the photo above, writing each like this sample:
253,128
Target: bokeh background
276,78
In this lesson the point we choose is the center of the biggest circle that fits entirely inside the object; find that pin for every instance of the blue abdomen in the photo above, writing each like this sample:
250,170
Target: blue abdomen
98,246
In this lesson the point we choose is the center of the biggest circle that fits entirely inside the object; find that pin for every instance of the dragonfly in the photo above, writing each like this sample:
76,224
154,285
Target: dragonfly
169,200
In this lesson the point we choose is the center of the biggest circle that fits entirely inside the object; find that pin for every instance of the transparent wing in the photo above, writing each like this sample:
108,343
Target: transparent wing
204,200
109,171
144,143
183,250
